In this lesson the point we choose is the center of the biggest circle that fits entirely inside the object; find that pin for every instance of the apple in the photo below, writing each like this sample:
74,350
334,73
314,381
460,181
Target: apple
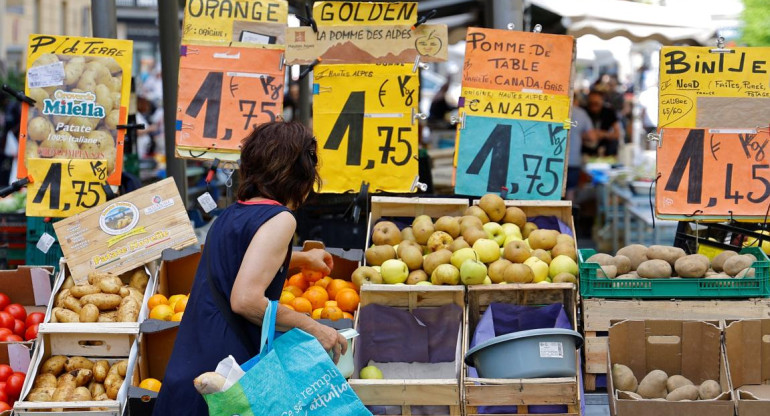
445,274
459,256
562,264
424,283
473,272
439,240
495,232
365,275
371,372
510,238
394,271
512,230
488,250
386,233
487,281
539,269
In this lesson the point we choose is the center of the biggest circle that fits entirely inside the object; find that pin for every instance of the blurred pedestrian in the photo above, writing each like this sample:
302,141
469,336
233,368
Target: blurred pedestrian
582,133
605,121
439,108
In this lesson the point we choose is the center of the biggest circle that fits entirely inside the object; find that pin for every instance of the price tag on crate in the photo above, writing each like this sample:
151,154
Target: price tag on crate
64,187
722,173
45,242
207,202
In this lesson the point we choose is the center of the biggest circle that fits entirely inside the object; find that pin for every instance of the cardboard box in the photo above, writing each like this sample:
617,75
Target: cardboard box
692,349
156,343
747,344
177,270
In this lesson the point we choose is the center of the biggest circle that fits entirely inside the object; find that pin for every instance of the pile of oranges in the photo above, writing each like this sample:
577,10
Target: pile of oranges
171,309
320,296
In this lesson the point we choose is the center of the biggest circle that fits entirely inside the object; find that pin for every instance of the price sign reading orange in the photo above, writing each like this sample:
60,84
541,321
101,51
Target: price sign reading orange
719,173
224,93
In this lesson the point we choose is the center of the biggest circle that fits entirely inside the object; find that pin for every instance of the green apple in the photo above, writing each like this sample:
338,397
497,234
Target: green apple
512,230
563,264
378,269
539,269
487,281
394,271
488,250
459,256
495,232
424,283
510,238
370,372
445,274
473,272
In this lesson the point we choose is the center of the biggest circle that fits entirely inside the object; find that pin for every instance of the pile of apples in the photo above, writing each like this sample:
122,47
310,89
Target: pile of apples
15,324
490,243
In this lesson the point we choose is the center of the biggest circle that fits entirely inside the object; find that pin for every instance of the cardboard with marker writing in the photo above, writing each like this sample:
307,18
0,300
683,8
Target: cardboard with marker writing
353,13
126,232
237,22
65,187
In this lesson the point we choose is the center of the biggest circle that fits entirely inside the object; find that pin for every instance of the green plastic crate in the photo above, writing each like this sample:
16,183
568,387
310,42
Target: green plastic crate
36,226
36,257
749,287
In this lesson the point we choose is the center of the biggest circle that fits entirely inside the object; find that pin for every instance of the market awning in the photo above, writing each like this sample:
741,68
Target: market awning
636,21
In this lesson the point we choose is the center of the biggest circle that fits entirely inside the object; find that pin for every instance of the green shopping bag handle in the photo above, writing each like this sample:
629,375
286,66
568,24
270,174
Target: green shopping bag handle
268,331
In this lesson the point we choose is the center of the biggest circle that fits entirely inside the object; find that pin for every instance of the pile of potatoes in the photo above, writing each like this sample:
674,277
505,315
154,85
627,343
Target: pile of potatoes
658,385
658,262
77,379
106,298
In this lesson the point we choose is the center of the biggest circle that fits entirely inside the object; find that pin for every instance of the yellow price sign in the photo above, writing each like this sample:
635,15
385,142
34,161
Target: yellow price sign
65,187
364,122
227,22
515,105
351,13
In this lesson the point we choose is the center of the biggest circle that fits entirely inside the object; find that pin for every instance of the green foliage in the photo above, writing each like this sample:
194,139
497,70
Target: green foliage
14,79
756,17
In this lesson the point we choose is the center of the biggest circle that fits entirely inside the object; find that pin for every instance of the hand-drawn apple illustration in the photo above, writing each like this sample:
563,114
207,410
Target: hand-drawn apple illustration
429,45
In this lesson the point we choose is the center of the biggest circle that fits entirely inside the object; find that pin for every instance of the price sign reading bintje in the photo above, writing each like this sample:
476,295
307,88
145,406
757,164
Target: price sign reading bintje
62,187
713,172
364,122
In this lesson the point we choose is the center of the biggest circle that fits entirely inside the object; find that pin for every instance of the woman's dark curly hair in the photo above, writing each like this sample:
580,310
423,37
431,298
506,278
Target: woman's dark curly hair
278,162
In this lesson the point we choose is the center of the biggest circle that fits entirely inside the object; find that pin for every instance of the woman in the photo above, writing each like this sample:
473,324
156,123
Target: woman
244,264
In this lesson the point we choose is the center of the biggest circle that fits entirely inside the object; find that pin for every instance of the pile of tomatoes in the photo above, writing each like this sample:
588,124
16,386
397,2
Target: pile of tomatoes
10,386
15,324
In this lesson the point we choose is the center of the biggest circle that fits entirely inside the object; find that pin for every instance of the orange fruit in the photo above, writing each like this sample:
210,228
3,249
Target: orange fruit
302,305
347,299
173,299
331,312
162,312
324,282
317,296
181,304
299,281
330,303
177,317
289,306
294,290
312,276
150,384
286,297
347,315
317,313
335,287
156,300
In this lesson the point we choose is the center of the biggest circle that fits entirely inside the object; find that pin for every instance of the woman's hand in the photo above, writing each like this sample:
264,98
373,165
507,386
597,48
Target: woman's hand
331,340
316,259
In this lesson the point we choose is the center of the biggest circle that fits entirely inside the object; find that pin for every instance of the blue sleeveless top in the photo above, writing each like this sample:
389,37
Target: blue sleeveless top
204,336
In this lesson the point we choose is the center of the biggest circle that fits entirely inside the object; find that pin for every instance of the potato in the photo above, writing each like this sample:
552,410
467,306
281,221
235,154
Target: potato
654,269
54,365
108,317
622,263
694,265
608,271
59,301
68,283
667,253
129,310
41,394
96,388
745,273
71,303
111,285
104,97
600,258
208,383
101,397
709,389
136,294
676,381
38,94
76,363
89,313
718,262
80,394
637,253
113,119
63,392
45,380
103,301
79,291
95,277
123,292
735,264
83,376
139,280
112,384
66,378
73,70
623,378
629,395
653,385
100,370
66,316
686,392
39,128
119,368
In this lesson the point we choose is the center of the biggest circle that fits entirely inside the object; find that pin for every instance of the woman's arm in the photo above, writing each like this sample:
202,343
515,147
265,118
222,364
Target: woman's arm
263,258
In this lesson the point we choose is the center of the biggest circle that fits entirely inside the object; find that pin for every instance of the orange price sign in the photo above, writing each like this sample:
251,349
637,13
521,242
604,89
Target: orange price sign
226,92
714,173
518,61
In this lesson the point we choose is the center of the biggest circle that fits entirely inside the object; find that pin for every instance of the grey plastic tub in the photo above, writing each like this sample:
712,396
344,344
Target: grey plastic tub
536,353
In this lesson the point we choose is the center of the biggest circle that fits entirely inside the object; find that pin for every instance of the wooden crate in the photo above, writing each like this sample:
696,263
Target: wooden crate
521,393
599,314
111,343
406,393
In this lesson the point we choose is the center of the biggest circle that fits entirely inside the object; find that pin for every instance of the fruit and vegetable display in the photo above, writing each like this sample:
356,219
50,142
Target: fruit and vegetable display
77,379
11,383
167,309
322,297
659,385
660,262
106,298
15,324
490,243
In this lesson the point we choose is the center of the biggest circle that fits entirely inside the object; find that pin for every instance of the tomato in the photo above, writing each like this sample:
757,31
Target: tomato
3,396
4,332
31,332
6,320
17,311
13,385
19,327
5,372
34,318
4,406
12,338
4,301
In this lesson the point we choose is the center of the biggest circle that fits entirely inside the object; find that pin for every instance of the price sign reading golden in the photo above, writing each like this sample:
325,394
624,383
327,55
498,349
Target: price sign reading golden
364,122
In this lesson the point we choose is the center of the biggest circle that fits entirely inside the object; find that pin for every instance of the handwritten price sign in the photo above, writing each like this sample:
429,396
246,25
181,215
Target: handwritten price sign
226,92
527,157
63,187
364,125
227,22
711,172
703,89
